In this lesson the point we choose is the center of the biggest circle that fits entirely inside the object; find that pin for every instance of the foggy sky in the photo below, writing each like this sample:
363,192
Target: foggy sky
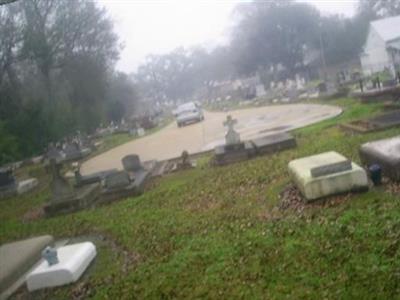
146,27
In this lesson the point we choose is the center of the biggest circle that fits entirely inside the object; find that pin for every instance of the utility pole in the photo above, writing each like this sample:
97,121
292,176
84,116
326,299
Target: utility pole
321,45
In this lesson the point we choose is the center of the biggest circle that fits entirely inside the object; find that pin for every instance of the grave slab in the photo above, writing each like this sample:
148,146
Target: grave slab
25,186
228,154
18,257
73,261
385,153
352,180
274,143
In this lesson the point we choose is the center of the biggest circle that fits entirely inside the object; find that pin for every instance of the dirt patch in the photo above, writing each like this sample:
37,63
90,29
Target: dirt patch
292,199
391,186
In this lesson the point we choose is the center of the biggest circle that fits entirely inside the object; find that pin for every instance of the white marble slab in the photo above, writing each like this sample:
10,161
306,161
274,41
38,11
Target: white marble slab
73,261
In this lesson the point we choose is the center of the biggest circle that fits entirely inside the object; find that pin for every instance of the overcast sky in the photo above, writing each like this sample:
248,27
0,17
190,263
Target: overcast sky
157,27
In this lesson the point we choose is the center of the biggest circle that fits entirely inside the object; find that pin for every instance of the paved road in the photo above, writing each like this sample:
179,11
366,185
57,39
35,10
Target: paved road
170,141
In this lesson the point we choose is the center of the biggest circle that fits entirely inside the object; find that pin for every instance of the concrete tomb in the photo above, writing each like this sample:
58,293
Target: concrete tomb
327,174
385,153
17,258
65,265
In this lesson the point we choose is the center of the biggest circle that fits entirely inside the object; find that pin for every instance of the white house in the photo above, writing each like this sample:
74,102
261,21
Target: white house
382,48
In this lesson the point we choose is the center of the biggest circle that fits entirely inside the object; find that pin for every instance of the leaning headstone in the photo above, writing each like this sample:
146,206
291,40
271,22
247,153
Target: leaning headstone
17,258
331,175
385,153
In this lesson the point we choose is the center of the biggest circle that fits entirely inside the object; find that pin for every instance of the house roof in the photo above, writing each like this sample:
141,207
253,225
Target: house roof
388,28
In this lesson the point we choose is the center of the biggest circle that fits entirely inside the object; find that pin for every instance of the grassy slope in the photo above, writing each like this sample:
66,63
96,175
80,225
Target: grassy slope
214,232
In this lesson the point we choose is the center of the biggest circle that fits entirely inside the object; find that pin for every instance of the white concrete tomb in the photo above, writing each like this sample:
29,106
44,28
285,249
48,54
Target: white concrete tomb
73,261
335,182
25,186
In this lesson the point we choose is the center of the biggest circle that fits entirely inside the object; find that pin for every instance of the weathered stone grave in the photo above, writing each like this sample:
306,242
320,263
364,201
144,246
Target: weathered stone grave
182,163
327,174
273,143
234,150
64,198
381,122
81,180
126,183
72,152
16,259
9,186
385,153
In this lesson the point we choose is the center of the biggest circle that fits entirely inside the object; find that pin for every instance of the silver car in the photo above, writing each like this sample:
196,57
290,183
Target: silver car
188,113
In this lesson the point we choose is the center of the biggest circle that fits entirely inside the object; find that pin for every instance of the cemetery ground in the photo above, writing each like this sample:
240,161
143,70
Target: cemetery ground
224,233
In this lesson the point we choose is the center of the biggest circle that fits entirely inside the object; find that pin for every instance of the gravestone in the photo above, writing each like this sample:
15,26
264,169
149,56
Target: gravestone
54,153
234,150
65,199
231,137
327,174
60,188
117,180
273,143
131,163
385,153
17,258
72,152
8,184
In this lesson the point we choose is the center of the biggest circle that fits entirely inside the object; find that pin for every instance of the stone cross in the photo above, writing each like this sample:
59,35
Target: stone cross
231,137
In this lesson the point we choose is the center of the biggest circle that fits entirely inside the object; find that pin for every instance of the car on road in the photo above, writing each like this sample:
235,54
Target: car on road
188,113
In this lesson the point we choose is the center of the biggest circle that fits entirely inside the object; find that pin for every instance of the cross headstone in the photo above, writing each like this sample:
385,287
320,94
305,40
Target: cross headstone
231,137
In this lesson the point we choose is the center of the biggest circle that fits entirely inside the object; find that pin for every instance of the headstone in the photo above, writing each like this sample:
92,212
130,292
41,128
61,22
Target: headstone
54,153
385,153
60,188
140,132
131,163
8,184
26,185
72,151
17,258
354,179
231,137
